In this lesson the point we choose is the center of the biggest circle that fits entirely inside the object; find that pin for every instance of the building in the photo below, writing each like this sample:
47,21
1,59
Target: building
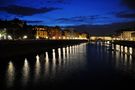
54,33
41,32
126,35
133,36
83,36
66,34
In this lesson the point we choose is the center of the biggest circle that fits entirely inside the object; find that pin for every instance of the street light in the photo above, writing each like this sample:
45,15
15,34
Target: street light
9,37
25,37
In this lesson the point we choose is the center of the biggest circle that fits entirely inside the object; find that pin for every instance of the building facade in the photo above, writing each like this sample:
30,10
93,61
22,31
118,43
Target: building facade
41,32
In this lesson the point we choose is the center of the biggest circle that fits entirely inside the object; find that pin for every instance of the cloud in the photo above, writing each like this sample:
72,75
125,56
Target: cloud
34,21
125,15
57,1
107,29
79,19
26,11
6,1
129,3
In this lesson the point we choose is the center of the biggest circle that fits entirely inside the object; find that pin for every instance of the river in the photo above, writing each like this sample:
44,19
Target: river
86,65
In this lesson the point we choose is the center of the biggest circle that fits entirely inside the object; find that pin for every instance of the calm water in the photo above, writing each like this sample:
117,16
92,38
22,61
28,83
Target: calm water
79,66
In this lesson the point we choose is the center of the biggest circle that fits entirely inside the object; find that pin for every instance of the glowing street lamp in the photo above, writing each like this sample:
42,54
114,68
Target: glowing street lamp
25,37
37,37
53,37
9,37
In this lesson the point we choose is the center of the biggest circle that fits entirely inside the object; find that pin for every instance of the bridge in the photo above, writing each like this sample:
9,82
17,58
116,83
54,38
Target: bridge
124,46
100,38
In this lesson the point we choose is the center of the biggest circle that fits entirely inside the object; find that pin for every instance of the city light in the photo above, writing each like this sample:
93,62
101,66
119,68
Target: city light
9,37
25,37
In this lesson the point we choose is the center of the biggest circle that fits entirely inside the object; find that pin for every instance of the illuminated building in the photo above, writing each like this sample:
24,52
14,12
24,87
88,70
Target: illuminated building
54,33
133,36
66,34
83,36
41,32
126,35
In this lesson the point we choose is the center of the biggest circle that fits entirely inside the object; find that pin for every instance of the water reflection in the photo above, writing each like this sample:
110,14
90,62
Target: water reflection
53,62
59,53
46,64
123,49
126,49
49,65
37,68
25,72
124,61
67,49
56,64
130,50
70,49
118,47
64,55
10,76
122,57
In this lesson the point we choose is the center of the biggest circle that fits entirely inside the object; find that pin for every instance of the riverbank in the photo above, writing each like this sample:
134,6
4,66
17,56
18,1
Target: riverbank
9,48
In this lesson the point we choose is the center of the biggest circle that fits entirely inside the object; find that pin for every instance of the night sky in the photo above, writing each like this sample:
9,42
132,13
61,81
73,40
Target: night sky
87,15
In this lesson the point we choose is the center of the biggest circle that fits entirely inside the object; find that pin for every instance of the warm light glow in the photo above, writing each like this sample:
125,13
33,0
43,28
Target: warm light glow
10,67
131,50
25,72
100,37
70,49
121,48
25,37
53,37
54,57
118,47
64,53
64,37
46,63
37,68
68,38
126,49
10,74
59,37
37,37
46,58
54,62
59,53
108,42
9,37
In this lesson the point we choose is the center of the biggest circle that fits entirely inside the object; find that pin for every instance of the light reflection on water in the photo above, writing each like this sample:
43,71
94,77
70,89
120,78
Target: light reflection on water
124,58
61,62
10,76
64,60
37,69
25,72
46,64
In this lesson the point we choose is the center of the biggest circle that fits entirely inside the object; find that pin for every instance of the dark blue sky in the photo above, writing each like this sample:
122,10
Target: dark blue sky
69,12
